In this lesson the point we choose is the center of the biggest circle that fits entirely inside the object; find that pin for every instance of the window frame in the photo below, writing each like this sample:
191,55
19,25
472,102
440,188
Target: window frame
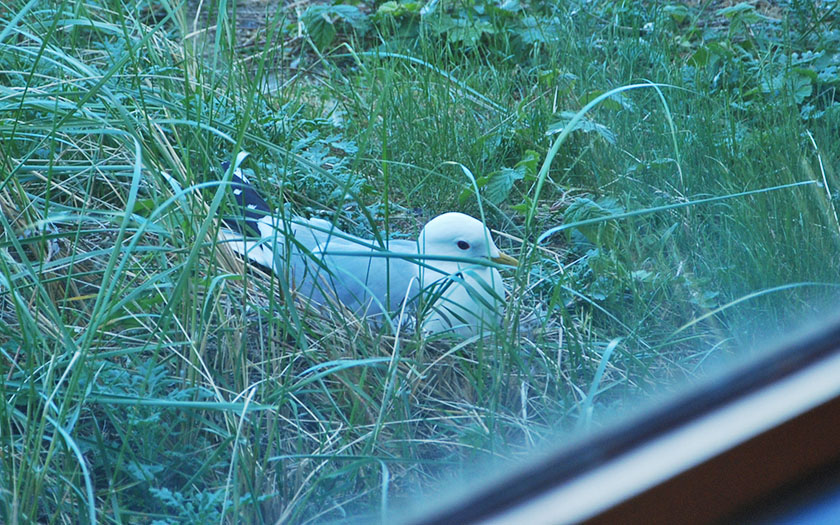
711,453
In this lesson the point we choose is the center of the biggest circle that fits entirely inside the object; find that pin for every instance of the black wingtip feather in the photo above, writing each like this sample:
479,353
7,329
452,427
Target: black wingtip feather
251,206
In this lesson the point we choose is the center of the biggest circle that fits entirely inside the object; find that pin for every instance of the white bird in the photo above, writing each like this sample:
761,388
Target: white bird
447,268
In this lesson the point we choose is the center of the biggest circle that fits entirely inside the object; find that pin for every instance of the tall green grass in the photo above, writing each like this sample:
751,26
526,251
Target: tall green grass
144,367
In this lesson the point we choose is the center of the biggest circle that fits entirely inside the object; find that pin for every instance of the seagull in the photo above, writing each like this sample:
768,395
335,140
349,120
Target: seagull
446,275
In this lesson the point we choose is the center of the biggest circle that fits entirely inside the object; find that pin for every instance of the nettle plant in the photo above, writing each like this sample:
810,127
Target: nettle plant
458,22
747,53
468,22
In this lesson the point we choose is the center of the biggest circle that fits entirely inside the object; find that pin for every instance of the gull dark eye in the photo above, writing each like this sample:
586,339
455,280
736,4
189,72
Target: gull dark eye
464,245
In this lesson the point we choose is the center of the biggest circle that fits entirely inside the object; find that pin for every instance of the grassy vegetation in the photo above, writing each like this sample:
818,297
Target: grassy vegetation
143,367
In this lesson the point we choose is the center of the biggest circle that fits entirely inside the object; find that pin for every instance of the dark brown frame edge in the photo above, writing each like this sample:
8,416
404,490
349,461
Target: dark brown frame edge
701,488
731,482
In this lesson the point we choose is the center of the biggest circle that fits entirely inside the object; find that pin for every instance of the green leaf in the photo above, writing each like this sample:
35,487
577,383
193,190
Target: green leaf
805,72
828,74
321,22
616,102
390,8
584,124
397,9
741,9
678,13
802,88
524,206
469,32
145,207
510,5
529,164
700,57
799,84
584,208
498,186
538,31
642,275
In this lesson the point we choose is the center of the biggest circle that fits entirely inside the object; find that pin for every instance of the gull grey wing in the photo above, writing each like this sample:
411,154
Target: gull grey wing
322,262
366,280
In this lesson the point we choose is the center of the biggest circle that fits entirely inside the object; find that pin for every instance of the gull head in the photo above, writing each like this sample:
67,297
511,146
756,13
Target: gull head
459,235
468,298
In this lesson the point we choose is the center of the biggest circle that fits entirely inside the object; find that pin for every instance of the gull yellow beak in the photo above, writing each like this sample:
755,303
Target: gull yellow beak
505,259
